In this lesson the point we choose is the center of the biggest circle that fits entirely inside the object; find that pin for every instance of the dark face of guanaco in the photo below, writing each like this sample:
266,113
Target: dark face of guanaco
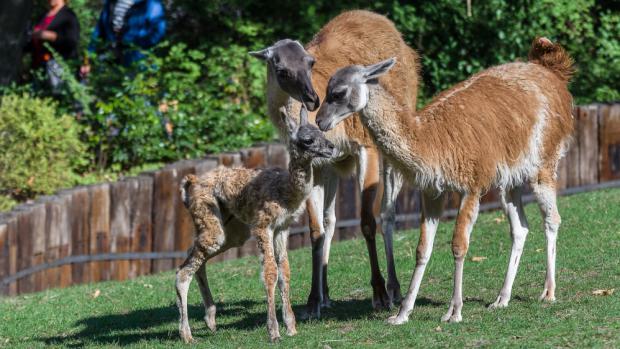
292,66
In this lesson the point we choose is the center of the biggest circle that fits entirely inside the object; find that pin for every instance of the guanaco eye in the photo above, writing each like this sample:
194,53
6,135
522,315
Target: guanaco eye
307,141
338,95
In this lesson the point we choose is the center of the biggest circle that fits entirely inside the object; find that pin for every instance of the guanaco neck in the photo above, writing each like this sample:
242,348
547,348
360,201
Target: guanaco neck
398,132
276,98
300,180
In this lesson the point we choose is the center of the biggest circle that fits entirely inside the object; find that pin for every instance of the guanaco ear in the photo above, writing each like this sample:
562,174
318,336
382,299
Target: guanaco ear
263,54
303,115
291,124
372,72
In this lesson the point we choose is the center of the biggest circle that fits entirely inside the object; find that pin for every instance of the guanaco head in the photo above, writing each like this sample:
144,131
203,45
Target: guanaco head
306,141
347,92
292,66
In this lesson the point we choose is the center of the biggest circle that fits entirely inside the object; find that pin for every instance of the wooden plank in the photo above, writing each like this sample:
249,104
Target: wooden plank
609,142
25,238
347,207
203,166
37,217
141,223
78,214
184,225
255,157
572,156
99,229
230,159
52,234
12,233
66,244
4,252
588,144
120,226
249,248
277,156
163,215
562,174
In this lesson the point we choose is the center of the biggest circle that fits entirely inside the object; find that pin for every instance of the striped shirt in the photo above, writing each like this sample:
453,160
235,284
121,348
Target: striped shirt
120,10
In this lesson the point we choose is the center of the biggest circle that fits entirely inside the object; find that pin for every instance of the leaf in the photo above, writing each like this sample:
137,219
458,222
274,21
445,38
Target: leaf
96,294
478,258
604,292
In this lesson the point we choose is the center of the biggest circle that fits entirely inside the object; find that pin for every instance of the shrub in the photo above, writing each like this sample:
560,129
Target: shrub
40,150
179,103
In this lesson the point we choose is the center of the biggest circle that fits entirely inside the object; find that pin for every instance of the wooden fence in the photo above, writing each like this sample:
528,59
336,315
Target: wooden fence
138,226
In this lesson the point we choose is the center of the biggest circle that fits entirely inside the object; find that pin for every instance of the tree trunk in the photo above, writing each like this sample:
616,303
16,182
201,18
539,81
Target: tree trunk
14,21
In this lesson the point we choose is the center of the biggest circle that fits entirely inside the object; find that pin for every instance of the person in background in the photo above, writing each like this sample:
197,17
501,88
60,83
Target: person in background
60,28
125,26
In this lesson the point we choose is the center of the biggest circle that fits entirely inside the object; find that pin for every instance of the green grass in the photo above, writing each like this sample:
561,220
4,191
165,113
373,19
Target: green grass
142,312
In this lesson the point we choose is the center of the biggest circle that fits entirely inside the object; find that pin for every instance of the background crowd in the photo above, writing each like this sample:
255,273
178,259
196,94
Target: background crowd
114,86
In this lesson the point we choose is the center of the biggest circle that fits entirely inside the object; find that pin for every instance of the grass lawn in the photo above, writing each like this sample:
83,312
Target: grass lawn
142,312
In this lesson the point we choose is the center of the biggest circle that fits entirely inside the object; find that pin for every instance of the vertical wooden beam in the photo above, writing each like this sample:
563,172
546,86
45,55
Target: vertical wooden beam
52,229
78,211
609,142
24,242
184,226
572,156
4,252
99,229
588,144
163,216
10,222
66,245
120,226
277,155
141,223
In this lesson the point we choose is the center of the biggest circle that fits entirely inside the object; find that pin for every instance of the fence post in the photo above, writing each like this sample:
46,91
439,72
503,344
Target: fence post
141,223
588,144
99,229
609,142
78,211
120,225
164,203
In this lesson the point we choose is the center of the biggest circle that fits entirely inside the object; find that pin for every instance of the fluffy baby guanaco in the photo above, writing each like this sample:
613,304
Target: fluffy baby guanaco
229,205
503,127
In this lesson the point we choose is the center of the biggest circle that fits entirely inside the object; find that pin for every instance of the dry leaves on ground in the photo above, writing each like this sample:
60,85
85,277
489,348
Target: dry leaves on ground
604,292
96,294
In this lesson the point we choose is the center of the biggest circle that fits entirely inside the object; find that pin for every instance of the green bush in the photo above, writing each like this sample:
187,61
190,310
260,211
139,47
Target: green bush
205,88
40,150
177,104
452,45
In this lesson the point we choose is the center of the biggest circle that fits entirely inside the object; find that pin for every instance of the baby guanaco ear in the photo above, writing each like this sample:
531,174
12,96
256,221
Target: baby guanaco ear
263,54
374,71
303,115
291,124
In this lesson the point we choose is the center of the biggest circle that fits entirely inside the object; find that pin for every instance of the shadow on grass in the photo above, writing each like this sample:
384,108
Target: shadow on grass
134,326
139,325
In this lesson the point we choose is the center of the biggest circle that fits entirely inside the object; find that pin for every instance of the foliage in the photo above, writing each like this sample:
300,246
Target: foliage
452,45
178,104
203,87
6,202
142,313
40,150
